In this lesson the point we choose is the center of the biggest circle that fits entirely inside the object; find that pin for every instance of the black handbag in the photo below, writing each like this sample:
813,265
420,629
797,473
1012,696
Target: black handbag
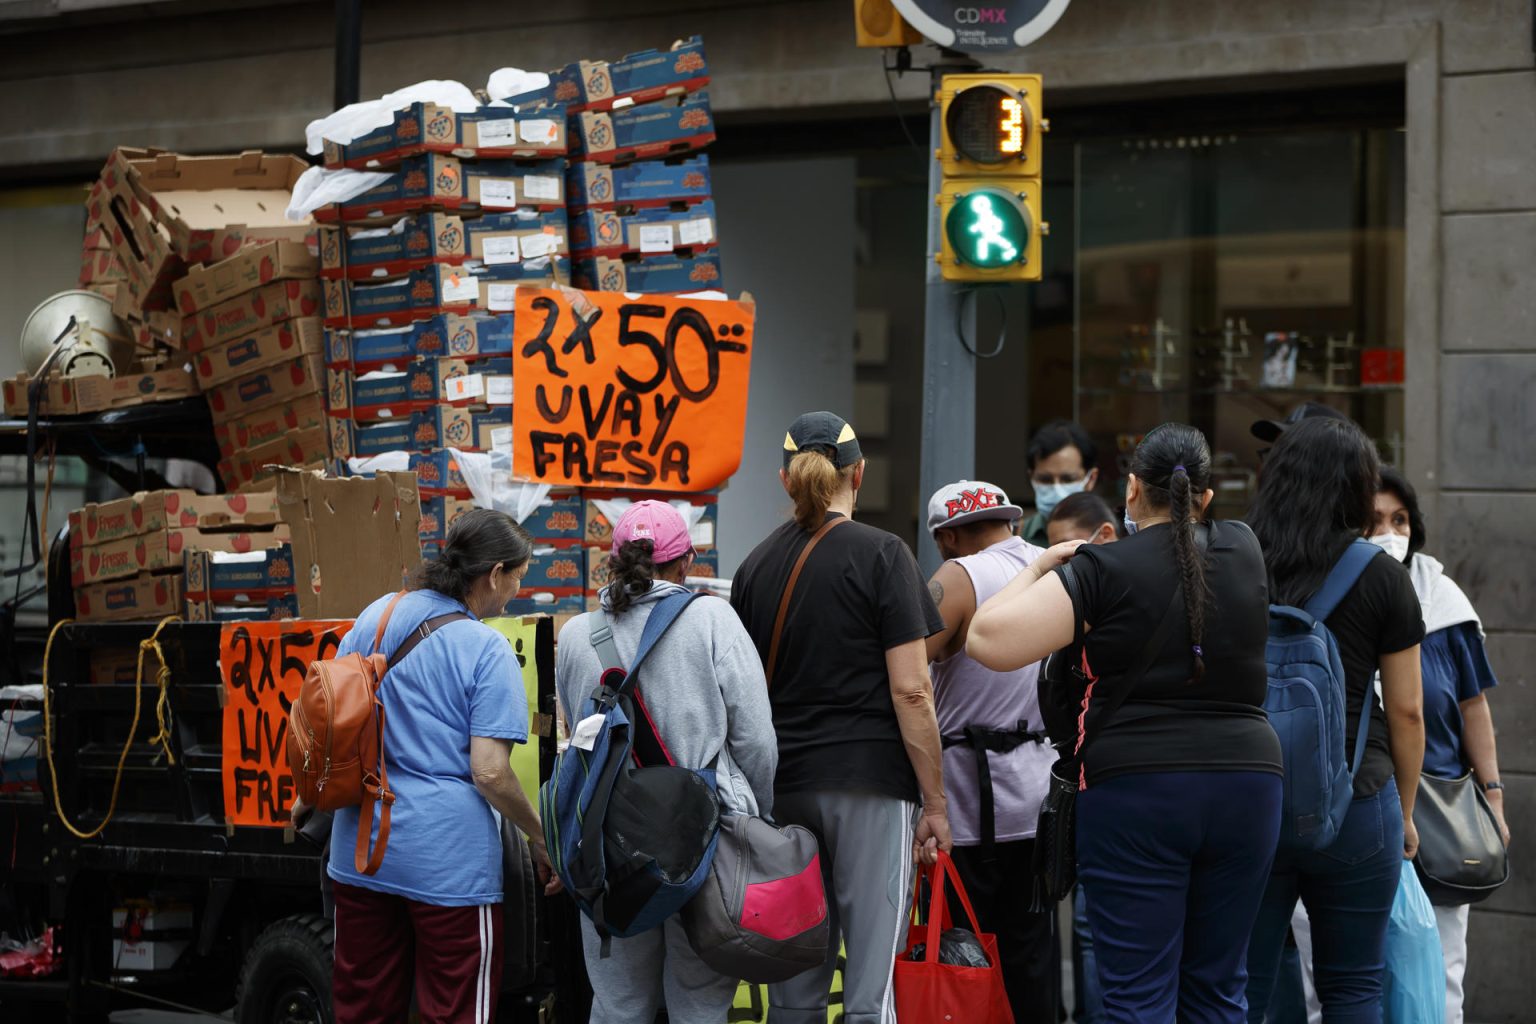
1461,856
1055,857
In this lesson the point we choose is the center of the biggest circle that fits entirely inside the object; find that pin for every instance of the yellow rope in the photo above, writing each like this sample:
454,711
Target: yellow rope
153,643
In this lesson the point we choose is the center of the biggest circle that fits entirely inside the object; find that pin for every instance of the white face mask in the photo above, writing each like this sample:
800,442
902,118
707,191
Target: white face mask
1048,496
1395,544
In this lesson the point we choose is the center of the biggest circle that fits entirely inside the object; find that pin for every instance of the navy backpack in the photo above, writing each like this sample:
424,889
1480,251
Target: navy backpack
630,833
1306,705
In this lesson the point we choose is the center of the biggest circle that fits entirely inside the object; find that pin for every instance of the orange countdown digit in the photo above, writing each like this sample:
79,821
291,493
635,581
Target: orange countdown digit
1012,126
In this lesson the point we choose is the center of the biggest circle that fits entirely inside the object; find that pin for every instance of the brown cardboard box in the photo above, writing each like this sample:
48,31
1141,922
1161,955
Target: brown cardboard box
162,551
250,268
258,350
58,397
294,448
141,597
164,211
264,426
353,539
78,395
112,665
283,382
239,316
224,511
127,517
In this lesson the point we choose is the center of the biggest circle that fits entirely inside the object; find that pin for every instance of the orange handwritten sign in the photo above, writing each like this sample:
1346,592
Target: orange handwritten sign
628,391
263,665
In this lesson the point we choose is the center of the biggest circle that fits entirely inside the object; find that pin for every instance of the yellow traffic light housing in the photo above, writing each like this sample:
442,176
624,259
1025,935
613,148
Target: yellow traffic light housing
990,161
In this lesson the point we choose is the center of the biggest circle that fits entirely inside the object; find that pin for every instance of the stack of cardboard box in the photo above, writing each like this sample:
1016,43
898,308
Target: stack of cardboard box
252,326
175,552
638,188
99,270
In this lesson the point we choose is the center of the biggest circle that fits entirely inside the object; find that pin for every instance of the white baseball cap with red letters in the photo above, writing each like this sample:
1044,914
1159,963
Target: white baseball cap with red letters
968,501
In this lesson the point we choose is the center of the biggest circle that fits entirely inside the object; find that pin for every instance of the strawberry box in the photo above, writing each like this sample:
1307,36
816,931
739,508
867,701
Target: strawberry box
98,394
127,517
531,132
636,77
442,335
437,182
264,426
268,346
644,131
247,270
230,576
139,597
648,231
284,382
162,550
652,274
296,448
425,238
268,305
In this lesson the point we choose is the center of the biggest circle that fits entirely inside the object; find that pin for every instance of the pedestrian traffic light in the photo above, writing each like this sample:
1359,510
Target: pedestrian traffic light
989,156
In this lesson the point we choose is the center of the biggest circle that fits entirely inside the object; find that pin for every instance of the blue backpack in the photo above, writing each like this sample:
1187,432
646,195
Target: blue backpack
1306,706
630,833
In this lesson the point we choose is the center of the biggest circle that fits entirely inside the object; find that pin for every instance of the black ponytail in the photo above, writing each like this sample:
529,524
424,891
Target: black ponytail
630,572
1173,463
477,541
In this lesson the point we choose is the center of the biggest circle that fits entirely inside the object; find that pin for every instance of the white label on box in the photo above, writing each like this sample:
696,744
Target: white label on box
501,250
584,736
501,440
498,391
500,298
702,534
541,186
540,130
696,232
471,385
541,244
500,193
498,133
460,287
655,237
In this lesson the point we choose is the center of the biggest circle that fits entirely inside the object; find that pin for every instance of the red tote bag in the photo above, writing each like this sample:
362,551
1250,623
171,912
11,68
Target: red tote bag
928,992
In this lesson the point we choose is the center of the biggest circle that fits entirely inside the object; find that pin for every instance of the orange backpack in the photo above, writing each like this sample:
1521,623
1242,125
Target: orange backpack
336,734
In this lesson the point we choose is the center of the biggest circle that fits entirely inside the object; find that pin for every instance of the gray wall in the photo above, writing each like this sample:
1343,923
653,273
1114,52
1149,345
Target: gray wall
39,255
803,346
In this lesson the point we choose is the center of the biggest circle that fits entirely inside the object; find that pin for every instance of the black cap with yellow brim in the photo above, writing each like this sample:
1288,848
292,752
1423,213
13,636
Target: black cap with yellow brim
824,430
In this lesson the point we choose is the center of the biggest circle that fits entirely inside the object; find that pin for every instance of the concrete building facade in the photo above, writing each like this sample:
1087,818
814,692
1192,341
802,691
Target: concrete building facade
220,76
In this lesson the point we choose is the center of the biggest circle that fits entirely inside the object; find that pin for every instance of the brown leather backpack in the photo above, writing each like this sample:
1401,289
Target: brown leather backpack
336,734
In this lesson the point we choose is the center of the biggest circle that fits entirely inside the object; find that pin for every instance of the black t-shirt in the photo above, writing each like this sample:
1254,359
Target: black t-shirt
859,595
1168,722
1380,615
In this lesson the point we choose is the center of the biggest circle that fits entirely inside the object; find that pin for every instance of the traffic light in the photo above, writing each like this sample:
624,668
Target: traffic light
989,202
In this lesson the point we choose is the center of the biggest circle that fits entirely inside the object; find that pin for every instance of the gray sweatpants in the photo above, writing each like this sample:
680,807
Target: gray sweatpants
866,862
654,969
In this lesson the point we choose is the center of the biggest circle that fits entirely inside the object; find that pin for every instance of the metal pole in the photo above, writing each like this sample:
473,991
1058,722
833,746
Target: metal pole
948,450
349,41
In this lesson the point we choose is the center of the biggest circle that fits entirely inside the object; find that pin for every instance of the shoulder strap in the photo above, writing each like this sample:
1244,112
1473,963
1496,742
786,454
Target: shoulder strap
1144,661
1069,580
789,590
389,609
1341,578
421,632
663,614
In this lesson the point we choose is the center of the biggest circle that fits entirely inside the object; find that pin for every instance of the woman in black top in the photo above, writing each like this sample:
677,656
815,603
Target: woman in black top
1180,804
1316,496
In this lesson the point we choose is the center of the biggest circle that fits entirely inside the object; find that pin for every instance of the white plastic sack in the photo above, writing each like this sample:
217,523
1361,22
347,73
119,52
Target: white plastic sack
489,478
319,187
507,82
16,734
358,119
613,508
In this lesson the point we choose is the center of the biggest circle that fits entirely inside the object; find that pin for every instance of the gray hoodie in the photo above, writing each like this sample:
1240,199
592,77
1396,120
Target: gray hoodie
704,686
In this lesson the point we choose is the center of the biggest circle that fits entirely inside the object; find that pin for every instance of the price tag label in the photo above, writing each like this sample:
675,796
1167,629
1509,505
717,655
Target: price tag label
656,238
498,193
460,286
462,389
501,250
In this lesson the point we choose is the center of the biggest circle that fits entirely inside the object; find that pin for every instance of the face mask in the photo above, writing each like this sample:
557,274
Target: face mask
1130,524
1395,544
1048,496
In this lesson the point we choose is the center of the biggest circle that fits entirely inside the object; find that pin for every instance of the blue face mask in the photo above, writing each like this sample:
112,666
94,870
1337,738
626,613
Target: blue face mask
1048,496
1130,524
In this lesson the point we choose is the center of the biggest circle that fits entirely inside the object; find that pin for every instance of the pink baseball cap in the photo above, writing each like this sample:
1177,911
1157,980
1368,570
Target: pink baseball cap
657,522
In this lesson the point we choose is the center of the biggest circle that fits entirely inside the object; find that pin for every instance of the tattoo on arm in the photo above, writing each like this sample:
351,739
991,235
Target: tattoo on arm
936,590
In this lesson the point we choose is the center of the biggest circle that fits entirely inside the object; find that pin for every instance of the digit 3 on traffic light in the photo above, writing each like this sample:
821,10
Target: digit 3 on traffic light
989,203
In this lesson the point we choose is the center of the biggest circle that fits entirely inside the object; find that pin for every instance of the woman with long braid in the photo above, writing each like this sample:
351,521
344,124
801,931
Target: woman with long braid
1180,773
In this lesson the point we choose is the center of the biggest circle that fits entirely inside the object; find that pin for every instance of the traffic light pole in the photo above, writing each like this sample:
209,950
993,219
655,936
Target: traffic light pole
948,450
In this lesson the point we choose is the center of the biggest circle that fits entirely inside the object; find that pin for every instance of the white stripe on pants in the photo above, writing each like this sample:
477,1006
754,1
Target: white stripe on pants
1452,923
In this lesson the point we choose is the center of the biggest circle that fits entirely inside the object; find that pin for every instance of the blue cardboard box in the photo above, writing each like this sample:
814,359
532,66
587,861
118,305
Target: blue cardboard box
221,577
645,231
436,182
445,334
645,131
556,569
557,520
637,77
640,184
363,254
440,426
438,288
650,273
533,130
546,603
419,383
437,511
437,472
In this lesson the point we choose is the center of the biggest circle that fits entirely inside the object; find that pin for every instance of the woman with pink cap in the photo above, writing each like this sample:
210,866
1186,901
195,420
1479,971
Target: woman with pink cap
705,692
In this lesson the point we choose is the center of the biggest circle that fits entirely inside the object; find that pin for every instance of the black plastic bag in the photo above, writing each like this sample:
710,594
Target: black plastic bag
958,947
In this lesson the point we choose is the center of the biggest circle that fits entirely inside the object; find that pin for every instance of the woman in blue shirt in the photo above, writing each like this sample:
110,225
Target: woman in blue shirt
1458,726
453,708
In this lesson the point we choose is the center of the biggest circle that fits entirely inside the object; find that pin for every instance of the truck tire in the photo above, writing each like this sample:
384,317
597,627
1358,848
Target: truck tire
286,978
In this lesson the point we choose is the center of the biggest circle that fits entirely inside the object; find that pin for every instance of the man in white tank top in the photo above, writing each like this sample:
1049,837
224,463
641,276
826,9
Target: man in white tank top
997,759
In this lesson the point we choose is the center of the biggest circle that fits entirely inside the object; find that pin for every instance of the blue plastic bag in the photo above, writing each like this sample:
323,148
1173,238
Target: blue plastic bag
1413,987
